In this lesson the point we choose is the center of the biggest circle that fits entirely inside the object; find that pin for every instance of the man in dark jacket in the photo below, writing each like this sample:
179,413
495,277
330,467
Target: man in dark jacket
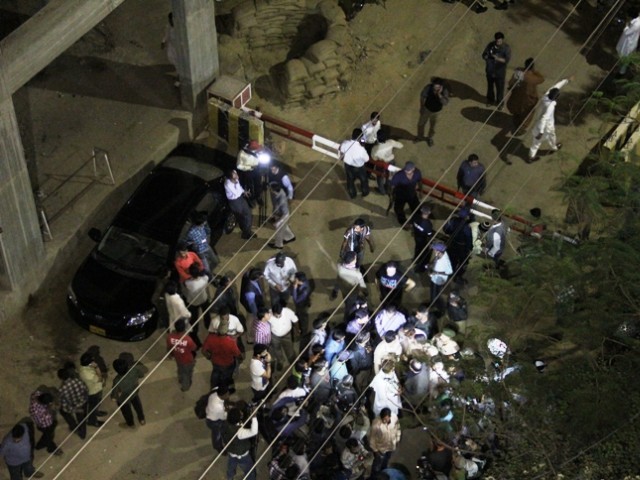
496,56
405,185
433,97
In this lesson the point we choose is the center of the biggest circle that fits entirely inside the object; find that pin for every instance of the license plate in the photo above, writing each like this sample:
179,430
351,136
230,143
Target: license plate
97,330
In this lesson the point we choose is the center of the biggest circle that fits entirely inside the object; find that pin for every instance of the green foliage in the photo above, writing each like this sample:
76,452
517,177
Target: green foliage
566,303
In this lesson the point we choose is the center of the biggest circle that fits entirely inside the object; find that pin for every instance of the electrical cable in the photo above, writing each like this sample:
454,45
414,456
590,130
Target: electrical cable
146,352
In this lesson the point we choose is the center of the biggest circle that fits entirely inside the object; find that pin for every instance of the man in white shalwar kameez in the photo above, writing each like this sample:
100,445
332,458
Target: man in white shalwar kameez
544,128
628,42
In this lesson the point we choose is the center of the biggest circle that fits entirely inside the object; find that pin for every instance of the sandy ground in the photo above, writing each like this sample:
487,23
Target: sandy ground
174,444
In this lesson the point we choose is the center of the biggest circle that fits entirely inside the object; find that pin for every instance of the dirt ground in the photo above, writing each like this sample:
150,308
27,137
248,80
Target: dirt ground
389,78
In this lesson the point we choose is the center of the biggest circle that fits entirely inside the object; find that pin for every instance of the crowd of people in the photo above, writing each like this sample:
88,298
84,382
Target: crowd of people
327,395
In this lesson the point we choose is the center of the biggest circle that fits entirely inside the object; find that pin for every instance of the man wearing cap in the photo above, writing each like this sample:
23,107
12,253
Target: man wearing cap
496,237
405,185
392,282
354,156
280,272
544,128
237,198
422,235
471,178
440,271
460,242
354,239
416,383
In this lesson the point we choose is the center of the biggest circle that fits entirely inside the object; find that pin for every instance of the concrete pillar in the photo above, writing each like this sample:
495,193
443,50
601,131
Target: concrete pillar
22,247
197,48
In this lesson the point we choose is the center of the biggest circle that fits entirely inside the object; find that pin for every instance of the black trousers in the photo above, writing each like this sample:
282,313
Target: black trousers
128,414
398,206
78,419
353,174
46,440
495,88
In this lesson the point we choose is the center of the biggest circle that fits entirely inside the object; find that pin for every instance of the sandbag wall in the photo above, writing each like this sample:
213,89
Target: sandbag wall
323,68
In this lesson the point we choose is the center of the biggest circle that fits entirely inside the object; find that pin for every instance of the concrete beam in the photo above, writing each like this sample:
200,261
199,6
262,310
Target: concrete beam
46,35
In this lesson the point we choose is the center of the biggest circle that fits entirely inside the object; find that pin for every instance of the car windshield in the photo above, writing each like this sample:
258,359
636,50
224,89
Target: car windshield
133,252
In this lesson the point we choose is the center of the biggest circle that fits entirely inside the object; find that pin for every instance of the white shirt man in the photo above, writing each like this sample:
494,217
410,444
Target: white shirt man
215,408
386,387
389,319
279,272
353,153
384,151
195,290
544,128
628,42
371,128
281,324
232,188
235,326
386,351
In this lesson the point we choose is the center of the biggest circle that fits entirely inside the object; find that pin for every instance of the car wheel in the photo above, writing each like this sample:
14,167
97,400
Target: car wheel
230,223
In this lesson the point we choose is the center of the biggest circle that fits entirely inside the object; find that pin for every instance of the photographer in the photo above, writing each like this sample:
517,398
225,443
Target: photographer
496,56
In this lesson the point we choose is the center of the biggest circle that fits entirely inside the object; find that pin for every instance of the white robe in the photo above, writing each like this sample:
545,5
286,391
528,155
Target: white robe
628,42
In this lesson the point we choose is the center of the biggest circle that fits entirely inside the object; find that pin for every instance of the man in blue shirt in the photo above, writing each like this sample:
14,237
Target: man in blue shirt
16,450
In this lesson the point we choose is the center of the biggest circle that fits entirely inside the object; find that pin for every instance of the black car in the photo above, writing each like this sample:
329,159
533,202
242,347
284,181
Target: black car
111,293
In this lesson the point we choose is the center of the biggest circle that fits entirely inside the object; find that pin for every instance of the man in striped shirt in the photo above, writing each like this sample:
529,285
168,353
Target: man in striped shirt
41,411
262,328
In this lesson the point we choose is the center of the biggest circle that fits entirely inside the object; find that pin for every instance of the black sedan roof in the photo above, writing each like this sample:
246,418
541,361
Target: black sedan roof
164,200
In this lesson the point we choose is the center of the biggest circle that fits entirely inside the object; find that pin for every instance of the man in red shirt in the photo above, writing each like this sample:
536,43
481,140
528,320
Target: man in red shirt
222,350
184,352
184,259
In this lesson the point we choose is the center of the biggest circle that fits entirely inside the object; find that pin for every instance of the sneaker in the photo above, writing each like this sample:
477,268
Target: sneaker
102,413
558,146
273,245
289,241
